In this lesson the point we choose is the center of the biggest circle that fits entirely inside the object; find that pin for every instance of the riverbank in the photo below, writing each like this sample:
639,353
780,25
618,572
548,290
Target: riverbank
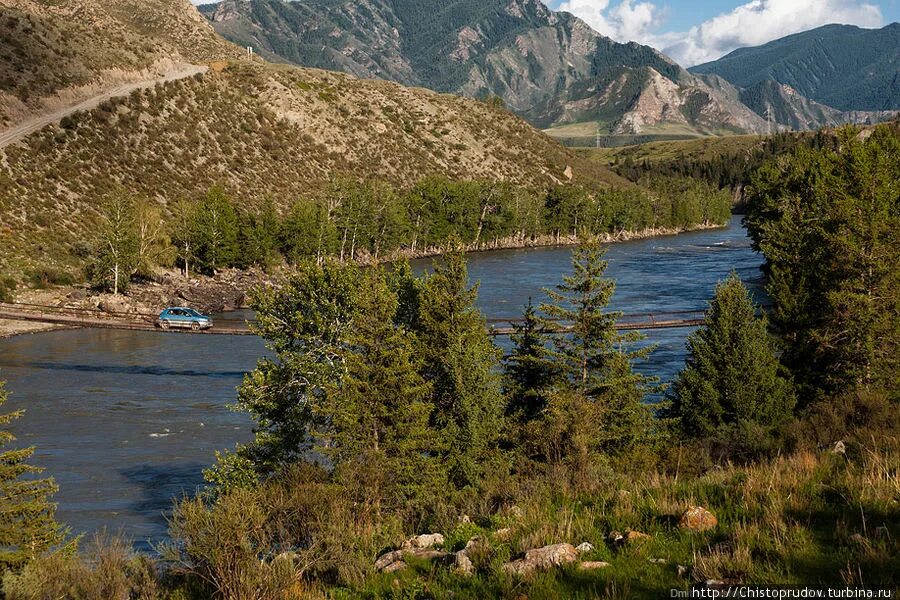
228,290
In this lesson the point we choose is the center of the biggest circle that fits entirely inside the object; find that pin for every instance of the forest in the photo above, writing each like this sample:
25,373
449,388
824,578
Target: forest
399,454
370,221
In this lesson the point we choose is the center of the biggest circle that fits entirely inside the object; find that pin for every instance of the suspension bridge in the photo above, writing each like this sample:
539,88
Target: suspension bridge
98,319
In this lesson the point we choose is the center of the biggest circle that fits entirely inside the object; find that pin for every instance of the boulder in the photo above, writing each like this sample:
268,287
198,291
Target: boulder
697,518
395,566
462,564
388,558
542,559
114,304
423,541
584,547
593,565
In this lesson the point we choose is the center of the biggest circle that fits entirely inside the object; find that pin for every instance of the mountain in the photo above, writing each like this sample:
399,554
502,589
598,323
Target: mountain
840,66
787,108
53,52
551,68
263,132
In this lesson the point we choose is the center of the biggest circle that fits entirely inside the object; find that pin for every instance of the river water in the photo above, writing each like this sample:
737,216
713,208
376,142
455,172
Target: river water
125,421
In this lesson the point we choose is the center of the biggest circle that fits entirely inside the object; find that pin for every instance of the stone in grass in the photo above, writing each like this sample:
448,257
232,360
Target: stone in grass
395,566
593,565
697,518
423,541
462,564
584,547
542,559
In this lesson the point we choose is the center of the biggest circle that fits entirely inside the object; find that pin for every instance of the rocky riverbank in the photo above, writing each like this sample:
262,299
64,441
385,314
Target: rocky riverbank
228,290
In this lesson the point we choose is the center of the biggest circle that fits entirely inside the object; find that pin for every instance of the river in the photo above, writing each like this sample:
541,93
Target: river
126,421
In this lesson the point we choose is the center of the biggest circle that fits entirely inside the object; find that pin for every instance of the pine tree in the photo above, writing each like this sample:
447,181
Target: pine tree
731,382
461,363
529,374
375,420
593,358
27,524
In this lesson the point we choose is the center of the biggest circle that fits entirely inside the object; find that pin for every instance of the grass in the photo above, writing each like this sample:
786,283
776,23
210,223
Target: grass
702,149
793,521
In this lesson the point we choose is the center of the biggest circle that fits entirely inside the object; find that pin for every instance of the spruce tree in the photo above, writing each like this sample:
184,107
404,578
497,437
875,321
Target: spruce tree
305,324
461,363
593,358
27,524
375,420
529,375
731,385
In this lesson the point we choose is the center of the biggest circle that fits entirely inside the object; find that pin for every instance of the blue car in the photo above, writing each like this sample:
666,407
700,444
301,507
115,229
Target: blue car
183,318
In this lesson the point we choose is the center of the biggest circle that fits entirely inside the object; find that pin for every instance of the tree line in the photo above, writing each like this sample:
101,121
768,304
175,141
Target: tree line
370,221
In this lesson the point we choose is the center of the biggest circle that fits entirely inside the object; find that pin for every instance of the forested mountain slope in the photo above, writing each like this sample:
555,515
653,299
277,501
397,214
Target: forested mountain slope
548,67
842,66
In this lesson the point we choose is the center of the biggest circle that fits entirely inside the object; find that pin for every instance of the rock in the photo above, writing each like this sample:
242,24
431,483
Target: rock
462,564
839,448
465,519
77,295
616,537
569,173
473,541
584,547
593,565
503,534
542,559
388,558
658,561
395,566
423,541
632,536
683,571
114,304
697,518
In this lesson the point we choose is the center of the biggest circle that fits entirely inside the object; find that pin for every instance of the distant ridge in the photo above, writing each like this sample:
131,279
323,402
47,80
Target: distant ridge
842,66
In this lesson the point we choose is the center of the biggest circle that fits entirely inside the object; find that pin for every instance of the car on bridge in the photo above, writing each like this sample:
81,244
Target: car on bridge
183,318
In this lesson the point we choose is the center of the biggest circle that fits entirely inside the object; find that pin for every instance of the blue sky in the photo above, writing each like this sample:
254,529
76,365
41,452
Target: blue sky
697,31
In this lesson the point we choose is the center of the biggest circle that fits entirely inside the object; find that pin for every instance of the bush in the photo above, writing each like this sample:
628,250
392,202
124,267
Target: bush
109,569
44,277
7,289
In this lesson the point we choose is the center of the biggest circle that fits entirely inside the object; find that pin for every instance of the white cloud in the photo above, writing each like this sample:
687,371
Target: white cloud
751,24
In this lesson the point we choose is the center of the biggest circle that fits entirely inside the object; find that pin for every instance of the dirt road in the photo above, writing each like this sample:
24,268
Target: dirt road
22,130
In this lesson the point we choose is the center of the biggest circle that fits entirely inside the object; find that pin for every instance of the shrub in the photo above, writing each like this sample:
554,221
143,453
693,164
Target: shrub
109,569
44,277
7,289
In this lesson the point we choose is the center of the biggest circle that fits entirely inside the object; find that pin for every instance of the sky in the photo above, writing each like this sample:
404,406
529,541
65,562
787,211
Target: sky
697,31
